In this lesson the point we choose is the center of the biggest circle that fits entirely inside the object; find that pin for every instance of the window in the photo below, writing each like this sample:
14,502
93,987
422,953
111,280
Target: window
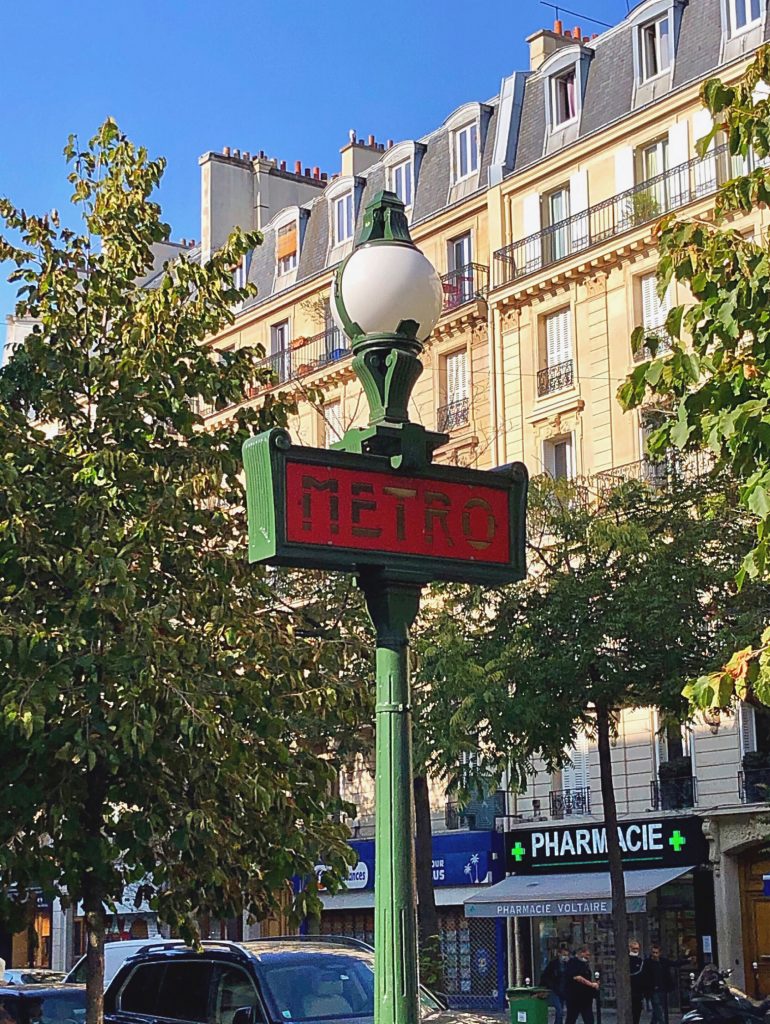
563,98
233,990
654,312
466,151
576,775
343,218
655,51
333,431
453,412
286,248
401,177
458,284
744,13
184,991
558,338
241,274
653,159
279,350
140,992
555,213
559,457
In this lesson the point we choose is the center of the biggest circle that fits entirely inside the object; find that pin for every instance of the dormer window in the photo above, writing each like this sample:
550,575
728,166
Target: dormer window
401,181
241,273
654,48
466,151
343,218
287,248
743,14
563,98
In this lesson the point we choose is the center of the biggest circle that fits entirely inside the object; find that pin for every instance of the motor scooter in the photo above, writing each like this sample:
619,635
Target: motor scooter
714,1001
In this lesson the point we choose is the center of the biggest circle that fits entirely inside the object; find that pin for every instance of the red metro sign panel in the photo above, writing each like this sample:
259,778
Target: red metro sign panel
335,510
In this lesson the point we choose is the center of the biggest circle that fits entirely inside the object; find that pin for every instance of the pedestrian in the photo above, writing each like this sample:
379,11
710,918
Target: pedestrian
658,982
554,978
636,967
581,988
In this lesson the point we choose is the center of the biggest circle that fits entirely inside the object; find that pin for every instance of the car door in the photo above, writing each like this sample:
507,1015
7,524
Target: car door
163,990
233,989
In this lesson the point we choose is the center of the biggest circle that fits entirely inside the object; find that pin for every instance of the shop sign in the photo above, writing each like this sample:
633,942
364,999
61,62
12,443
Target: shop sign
323,509
553,908
646,843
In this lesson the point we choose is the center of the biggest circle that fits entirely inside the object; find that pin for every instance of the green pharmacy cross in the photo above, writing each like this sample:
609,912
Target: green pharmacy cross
374,505
677,840
517,852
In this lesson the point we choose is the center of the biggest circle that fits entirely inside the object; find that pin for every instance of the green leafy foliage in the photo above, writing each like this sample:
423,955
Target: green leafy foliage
165,718
718,377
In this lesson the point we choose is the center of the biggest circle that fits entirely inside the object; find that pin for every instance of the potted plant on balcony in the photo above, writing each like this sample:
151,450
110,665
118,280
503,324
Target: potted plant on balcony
643,206
756,776
676,787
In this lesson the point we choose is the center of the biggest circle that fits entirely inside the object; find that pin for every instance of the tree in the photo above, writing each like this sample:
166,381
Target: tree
156,698
630,592
718,375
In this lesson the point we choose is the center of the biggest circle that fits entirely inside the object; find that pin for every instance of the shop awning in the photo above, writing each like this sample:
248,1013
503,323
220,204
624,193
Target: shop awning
446,896
566,894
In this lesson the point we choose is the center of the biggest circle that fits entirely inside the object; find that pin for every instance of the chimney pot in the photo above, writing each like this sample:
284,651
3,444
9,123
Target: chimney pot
352,135
283,165
576,33
324,176
261,154
225,151
317,173
594,35
558,26
390,144
237,154
567,33
246,155
371,140
298,167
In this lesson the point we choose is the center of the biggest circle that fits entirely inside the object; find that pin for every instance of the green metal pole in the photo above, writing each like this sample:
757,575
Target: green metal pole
393,606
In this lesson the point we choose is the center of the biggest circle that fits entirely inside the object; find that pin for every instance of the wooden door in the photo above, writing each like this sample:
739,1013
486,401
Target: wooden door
756,922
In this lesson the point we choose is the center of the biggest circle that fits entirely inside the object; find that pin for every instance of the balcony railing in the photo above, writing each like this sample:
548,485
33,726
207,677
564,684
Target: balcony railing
453,415
675,469
555,378
674,794
566,802
754,786
464,285
639,205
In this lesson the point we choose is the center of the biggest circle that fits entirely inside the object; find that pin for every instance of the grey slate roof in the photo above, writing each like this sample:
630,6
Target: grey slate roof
532,130
699,40
610,83
433,183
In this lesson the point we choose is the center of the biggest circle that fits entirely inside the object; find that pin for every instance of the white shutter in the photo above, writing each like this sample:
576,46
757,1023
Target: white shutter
678,152
577,774
705,169
532,255
558,337
456,376
654,312
748,728
624,169
333,418
702,123
578,199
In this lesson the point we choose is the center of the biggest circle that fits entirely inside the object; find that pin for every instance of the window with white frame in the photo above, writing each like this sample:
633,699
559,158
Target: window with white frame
743,14
563,98
558,337
332,414
280,355
343,218
575,776
456,377
655,50
466,151
559,457
241,273
401,181
286,248
654,311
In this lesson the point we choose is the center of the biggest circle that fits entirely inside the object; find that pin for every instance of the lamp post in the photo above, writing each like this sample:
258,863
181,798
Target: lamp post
387,299
374,505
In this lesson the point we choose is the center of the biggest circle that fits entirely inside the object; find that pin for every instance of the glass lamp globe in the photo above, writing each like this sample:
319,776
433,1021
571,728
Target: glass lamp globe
384,283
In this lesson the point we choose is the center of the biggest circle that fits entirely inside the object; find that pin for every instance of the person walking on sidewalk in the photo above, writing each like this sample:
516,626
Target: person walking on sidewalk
658,982
636,967
554,978
581,988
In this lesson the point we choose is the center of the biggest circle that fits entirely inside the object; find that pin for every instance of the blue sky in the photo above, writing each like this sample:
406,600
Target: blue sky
286,76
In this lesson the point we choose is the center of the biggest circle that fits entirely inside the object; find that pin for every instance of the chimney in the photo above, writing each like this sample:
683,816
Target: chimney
298,167
227,198
283,165
545,42
317,173
358,155
225,151
577,33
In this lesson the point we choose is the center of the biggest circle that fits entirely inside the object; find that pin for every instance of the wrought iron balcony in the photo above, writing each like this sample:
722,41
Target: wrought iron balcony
633,208
674,794
464,285
754,786
453,415
675,469
566,802
555,378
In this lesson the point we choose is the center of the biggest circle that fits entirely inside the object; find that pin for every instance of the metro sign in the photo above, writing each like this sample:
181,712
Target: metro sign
327,509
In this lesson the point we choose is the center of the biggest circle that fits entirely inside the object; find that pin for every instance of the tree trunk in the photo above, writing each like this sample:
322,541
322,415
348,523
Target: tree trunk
617,879
94,895
431,966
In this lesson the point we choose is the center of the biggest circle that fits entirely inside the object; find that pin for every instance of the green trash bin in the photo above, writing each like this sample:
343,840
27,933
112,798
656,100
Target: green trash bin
528,1005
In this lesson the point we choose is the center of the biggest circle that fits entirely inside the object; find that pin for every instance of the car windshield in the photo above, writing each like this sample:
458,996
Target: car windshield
48,1008
311,986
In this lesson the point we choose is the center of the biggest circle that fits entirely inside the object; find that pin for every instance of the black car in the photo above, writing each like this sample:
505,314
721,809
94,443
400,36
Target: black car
299,980
42,1004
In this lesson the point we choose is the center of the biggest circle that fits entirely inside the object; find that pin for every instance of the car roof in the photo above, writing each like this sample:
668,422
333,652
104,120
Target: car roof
304,945
39,988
